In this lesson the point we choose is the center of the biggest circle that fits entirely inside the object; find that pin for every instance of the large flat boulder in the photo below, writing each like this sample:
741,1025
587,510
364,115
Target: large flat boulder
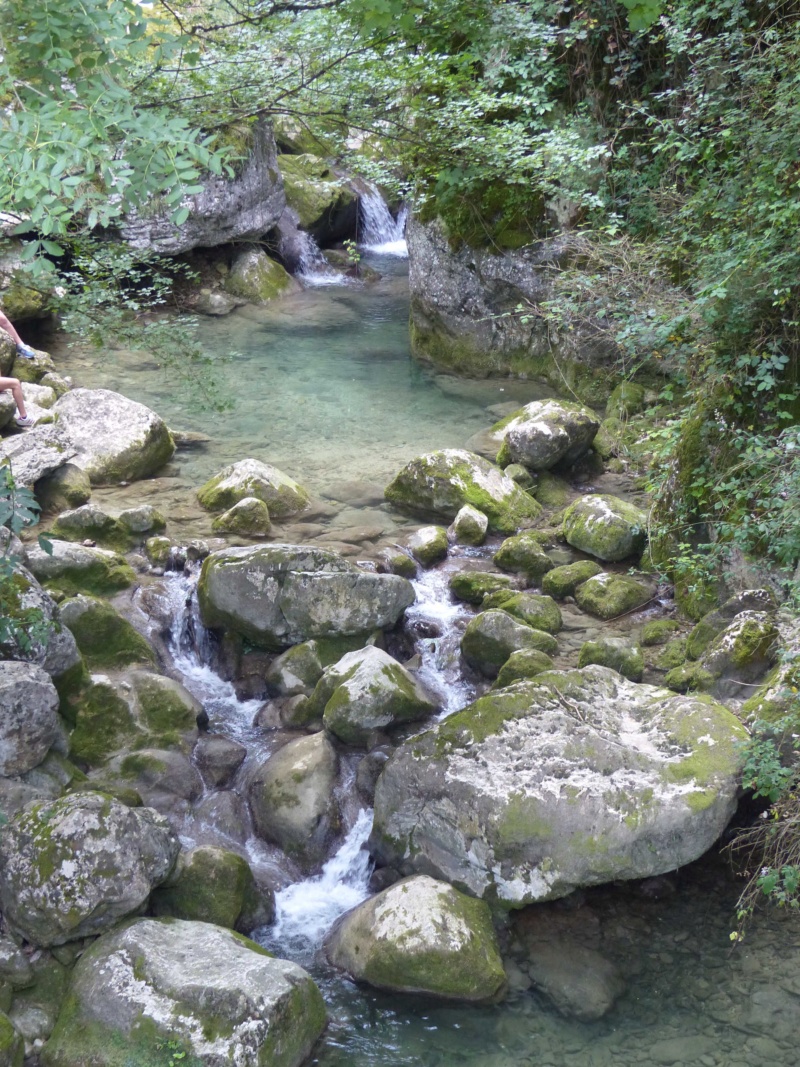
115,439
279,595
80,569
570,779
157,985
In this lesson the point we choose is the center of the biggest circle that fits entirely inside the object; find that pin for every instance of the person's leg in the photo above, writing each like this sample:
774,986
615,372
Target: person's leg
12,385
12,333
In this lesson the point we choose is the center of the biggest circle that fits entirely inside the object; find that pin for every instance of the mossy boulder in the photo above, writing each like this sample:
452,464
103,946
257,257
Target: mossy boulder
492,636
672,655
519,474
439,484
610,595
546,433
627,399
469,526
776,699
571,779
64,489
257,278
76,569
247,518
473,586
210,885
73,868
314,191
252,478
105,639
688,678
614,652
606,527
12,1044
521,665
144,519
421,936
551,491
609,439
743,652
540,612
155,988
659,631
104,724
714,622
562,582
158,551
29,723
90,522
296,671
523,555
428,545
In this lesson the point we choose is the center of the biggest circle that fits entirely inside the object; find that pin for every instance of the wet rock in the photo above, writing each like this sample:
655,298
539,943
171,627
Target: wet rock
526,663
117,440
257,278
37,453
218,996
251,478
715,622
291,798
165,779
223,815
28,716
104,638
78,569
141,520
606,527
540,612
421,936
608,596
428,545
498,797
212,885
248,518
492,636
441,483
615,652
546,433
580,982
89,521
283,594
395,562
324,203
523,554
469,526
219,758
75,867
473,586
368,771
687,1049
562,582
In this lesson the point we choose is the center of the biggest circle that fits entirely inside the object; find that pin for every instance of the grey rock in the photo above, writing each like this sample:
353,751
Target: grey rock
428,545
218,758
492,636
37,453
28,716
469,526
546,433
606,527
252,478
56,652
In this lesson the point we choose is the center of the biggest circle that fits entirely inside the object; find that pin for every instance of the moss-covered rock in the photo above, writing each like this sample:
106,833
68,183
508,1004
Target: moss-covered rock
144,519
627,399
428,545
608,441
523,555
158,550
688,678
12,1045
714,622
257,278
105,639
521,665
672,655
249,517
606,527
76,569
104,724
439,484
66,488
88,521
610,595
551,491
562,582
251,478
519,474
614,652
659,631
469,526
210,885
492,636
421,936
473,586
744,651
540,612
392,561
545,433
314,191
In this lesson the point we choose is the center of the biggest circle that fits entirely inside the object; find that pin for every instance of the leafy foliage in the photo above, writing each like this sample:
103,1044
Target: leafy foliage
19,627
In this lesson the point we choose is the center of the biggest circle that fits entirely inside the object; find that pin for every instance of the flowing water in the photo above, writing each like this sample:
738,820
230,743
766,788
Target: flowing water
326,391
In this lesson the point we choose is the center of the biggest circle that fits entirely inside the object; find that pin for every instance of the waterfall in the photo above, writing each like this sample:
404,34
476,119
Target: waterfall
380,231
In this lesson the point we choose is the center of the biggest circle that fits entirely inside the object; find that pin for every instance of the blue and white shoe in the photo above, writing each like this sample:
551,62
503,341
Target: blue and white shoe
25,351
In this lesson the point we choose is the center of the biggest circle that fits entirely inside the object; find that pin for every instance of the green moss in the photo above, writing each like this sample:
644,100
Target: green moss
312,189
658,631
606,527
520,666
105,639
540,612
492,636
672,655
473,586
688,677
562,582
523,555
551,491
138,765
627,399
163,707
609,596
210,887
103,725
626,659
102,576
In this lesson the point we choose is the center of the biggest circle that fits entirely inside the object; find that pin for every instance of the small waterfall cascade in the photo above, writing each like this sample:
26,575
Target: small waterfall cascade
380,231
312,267
306,910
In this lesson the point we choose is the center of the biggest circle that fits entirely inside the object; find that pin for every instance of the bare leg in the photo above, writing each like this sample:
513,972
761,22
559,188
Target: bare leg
12,333
12,385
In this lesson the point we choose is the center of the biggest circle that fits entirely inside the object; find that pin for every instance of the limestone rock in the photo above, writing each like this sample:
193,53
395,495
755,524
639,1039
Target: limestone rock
546,433
291,798
66,488
572,779
252,478
78,569
715,622
526,663
210,885
439,484
610,595
627,399
469,526
606,527
257,278
249,517
104,638
563,581
218,996
116,439
492,636
428,545
614,652
321,199
219,758
144,519
296,671
56,651
523,555
743,652
580,982
76,867
473,586
12,1043
37,453
283,594
421,936
90,522
28,716
540,612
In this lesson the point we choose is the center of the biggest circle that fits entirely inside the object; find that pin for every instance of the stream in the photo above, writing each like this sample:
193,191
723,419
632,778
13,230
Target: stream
326,391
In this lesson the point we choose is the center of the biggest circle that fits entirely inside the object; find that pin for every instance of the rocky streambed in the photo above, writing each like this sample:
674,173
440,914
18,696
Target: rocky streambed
474,646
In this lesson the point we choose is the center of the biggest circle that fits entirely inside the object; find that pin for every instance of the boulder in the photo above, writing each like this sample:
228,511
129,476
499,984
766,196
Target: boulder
473,586
428,545
562,582
610,595
421,936
551,491
37,453
715,622
252,478
579,981
291,798
210,885
365,691
439,484
29,722
614,652
540,612
526,663
52,645
659,632
247,518
144,519
8,409
73,868
164,778
523,555
572,779
322,200
606,527
77,569
90,522
115,439
469,526
257,278
627,399
64,489
546,433
742,652
12,1043
159,986
296,671
218,758
492,636
279,595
